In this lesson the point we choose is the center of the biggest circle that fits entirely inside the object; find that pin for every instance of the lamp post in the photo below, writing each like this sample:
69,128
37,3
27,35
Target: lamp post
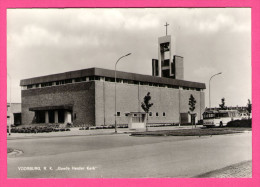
209,86
10,111
115,89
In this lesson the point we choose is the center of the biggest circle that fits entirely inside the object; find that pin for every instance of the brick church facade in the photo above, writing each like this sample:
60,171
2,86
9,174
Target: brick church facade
87,97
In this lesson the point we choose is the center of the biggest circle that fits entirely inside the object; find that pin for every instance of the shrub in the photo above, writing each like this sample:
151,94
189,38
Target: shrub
38,129
240,123
14,130
69,125
200,122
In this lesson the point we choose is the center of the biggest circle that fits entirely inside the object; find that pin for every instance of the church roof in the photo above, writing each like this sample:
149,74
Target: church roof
111,74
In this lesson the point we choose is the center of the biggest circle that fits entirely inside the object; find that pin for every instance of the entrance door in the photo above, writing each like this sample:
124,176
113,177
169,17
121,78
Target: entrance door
184,118
60,116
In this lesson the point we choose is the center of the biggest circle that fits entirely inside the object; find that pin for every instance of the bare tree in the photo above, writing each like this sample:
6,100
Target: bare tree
249,107
146,105
192,103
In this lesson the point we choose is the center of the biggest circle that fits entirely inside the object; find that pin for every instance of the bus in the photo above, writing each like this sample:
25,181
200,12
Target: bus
216,118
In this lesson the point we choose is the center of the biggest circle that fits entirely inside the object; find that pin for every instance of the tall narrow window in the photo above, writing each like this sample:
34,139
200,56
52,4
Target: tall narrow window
51,116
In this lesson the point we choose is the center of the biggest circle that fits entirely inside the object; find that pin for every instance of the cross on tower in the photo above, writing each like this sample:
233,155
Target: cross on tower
166,27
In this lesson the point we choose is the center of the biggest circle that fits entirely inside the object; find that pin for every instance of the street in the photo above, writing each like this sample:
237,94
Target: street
124,156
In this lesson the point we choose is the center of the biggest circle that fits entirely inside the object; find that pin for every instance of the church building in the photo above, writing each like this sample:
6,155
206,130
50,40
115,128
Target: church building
87,97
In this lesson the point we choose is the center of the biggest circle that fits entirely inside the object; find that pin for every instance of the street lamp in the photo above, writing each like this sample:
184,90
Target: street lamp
115,88
209,86
10,103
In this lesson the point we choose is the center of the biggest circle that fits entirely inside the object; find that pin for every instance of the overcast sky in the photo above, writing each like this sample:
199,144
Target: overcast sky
48,41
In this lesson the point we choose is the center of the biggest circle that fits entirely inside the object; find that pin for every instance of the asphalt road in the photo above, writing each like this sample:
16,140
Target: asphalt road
124,156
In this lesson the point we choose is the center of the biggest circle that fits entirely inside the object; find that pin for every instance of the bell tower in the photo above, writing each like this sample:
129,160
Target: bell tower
167,65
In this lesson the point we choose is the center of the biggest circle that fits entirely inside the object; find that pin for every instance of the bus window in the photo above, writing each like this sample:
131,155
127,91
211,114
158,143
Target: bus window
223,115
208,116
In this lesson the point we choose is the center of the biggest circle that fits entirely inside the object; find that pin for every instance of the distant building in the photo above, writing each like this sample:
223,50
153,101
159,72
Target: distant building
87,97
14,113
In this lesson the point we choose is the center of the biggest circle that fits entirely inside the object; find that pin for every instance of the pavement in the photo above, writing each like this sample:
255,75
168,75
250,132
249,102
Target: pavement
124,156
239,170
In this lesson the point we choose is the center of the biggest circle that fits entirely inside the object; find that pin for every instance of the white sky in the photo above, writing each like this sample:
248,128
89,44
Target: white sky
211,40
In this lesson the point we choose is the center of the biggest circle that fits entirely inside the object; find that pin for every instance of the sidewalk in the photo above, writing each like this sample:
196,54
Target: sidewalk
239,170
77,132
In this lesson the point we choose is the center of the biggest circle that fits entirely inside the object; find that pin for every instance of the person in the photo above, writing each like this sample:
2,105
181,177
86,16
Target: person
221,124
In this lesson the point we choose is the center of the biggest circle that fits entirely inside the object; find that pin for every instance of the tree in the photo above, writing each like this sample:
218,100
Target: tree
222,105
146,105
249,107
192,103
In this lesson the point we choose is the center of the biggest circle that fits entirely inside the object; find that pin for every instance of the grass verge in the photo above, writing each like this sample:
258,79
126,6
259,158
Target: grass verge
192,132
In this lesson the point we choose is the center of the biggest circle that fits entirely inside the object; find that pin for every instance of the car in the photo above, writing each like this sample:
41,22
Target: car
244,116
